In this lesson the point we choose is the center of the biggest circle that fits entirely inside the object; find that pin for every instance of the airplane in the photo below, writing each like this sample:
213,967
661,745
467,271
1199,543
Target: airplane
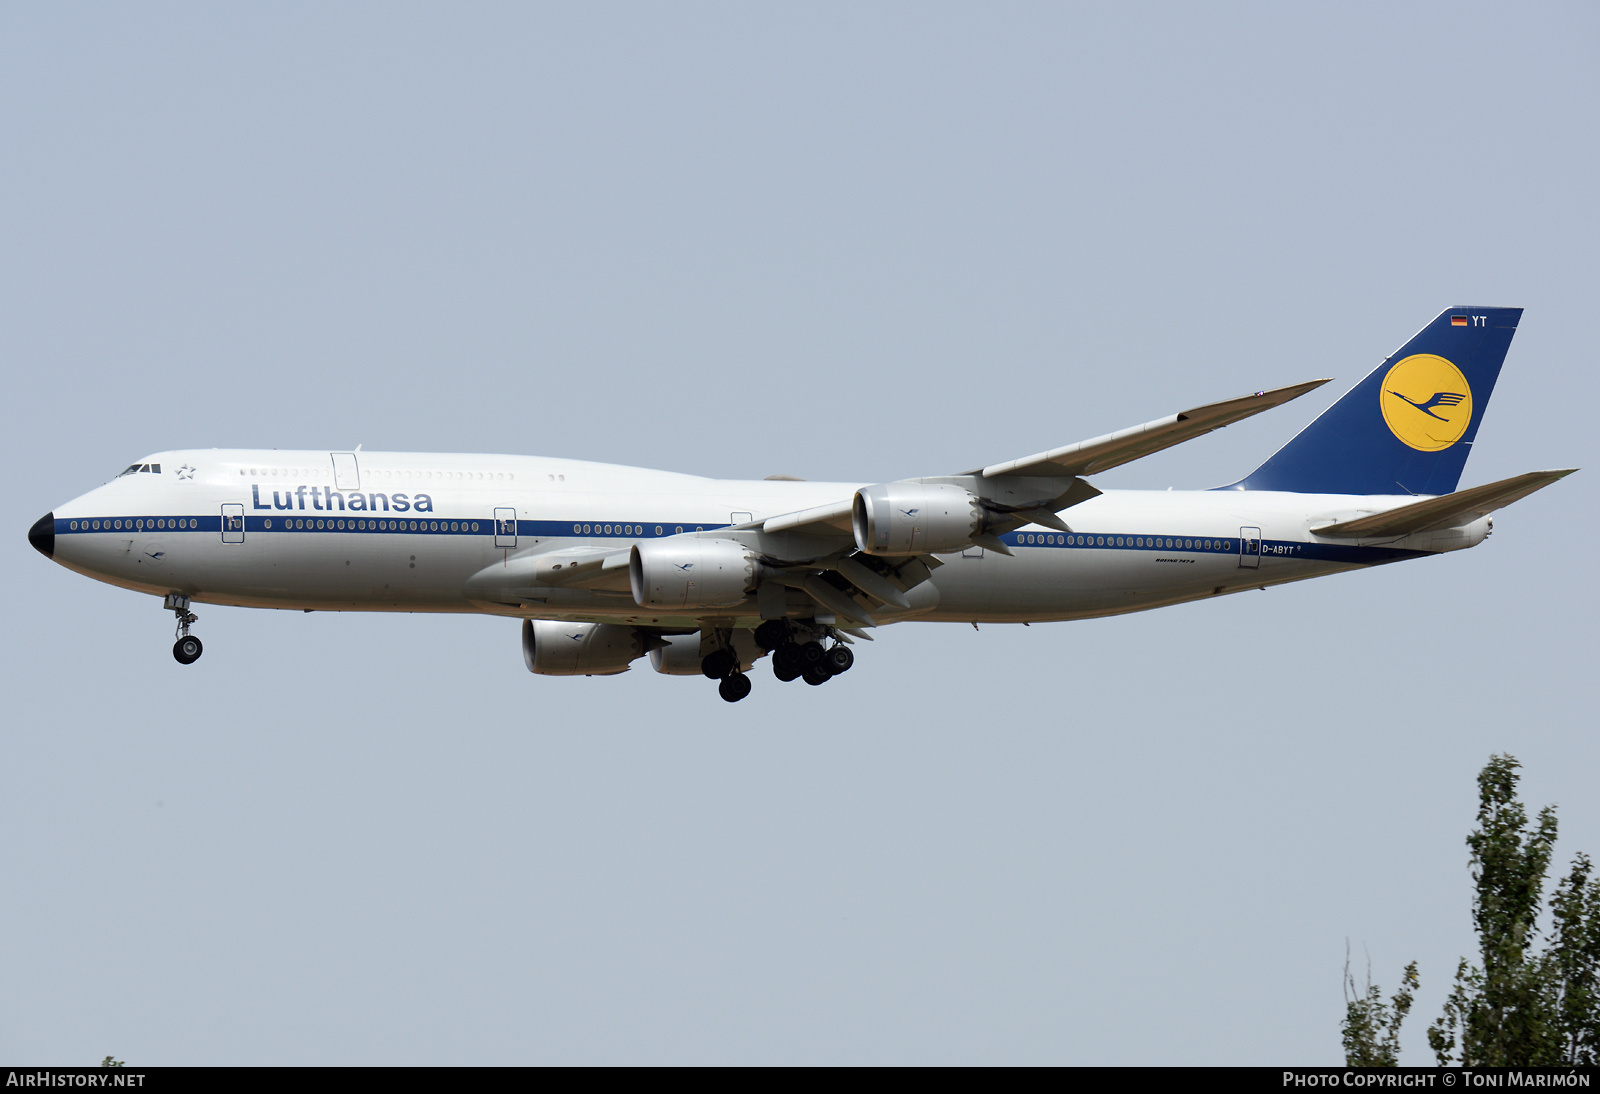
605,564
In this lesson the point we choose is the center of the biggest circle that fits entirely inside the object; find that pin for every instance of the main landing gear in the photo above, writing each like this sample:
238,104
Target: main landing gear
723,665
796,655
810,661
187,649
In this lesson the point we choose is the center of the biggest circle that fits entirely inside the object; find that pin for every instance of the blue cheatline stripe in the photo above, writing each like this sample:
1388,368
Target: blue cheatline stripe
628,530
552,529
409,524
138,524
1201,545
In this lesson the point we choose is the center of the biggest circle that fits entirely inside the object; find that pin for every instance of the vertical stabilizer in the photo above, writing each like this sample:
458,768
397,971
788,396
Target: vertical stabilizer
1408,426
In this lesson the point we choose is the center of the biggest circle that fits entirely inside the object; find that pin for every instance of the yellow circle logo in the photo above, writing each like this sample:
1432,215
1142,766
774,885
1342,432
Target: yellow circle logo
1426,402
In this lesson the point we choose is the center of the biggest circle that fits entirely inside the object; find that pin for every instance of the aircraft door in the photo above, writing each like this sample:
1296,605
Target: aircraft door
346,471
233,522
1250,548
505,528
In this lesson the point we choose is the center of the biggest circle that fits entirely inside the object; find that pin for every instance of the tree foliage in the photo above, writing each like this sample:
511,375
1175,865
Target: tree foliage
1498,1013
1371,1026
1519,1006
1574,964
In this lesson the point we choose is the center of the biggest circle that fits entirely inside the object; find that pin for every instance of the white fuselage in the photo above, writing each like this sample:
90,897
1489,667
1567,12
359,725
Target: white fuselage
417,532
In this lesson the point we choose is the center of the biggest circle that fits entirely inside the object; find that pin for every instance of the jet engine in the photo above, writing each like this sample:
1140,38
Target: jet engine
580,649
680,654
910,518
690,572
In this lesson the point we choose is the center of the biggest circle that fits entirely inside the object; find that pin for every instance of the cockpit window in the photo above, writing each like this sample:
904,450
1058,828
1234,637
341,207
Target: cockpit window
133,469
130,470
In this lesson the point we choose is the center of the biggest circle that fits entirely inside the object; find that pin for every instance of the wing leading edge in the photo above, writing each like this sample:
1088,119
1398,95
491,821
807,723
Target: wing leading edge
1114,449
1069,462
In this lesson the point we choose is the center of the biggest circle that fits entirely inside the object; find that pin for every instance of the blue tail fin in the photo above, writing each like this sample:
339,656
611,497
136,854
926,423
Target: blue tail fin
1408,426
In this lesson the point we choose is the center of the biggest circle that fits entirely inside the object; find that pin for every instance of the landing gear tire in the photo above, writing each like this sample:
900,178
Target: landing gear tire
772,634
839,659
187,650
785,672
789,657
735,687
817,676
718,664
813,654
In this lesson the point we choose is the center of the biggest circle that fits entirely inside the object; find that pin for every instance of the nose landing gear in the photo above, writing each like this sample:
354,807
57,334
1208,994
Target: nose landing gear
187,649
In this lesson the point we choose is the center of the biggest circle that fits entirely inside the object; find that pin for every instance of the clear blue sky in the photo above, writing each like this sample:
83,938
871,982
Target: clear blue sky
835,241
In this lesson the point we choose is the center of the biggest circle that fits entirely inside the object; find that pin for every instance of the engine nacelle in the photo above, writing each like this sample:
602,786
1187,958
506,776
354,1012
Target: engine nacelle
579,649
911,518
690,572
679,656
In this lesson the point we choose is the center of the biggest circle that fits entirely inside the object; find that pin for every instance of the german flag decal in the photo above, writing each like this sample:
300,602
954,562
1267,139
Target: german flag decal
1458,320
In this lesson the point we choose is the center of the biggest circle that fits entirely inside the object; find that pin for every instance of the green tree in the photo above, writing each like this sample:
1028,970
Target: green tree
1520,1006
1574,964
1371,1026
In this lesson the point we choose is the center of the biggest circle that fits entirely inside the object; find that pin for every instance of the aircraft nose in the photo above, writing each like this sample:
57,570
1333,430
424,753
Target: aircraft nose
43,535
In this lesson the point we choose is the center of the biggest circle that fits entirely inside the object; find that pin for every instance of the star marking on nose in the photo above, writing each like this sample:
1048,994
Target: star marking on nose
186,472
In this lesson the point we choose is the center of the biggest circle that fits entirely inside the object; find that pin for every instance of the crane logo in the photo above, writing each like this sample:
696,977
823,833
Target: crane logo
1426,402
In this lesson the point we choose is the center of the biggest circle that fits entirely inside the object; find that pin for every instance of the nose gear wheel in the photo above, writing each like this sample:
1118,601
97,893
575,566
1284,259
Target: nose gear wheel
187,649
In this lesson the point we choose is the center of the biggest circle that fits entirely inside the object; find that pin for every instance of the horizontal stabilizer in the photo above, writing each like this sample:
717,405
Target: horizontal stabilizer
1449,511
1125,445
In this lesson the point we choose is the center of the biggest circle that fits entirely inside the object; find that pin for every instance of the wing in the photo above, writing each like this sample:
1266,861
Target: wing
819,520
1084,458
1114,449
1447,511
